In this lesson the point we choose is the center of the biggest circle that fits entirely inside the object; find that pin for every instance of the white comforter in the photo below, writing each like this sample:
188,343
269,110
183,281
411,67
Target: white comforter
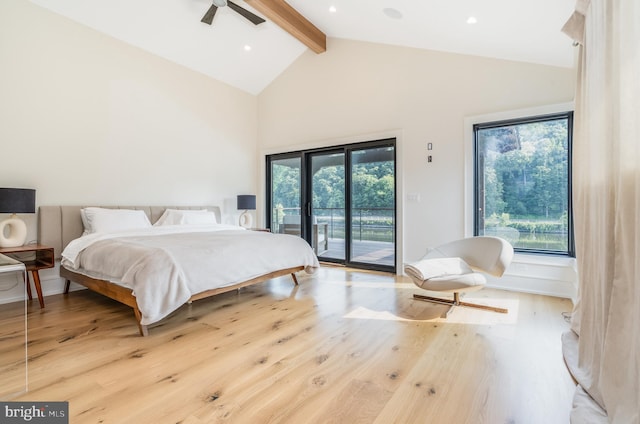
165,266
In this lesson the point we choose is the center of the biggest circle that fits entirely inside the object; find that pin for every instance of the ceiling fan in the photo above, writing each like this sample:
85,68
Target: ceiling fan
208,17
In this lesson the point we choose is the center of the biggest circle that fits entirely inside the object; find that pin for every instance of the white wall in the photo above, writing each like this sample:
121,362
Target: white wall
357,90
87,119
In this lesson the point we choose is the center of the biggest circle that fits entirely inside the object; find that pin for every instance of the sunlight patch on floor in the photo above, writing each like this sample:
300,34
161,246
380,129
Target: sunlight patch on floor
372,284
434,312
366,313
465,315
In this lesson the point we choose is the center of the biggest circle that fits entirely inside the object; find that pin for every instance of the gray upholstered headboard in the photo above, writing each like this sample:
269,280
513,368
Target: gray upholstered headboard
58,225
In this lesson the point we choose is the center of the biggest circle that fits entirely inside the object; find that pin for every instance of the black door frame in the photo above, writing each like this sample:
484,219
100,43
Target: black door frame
306,195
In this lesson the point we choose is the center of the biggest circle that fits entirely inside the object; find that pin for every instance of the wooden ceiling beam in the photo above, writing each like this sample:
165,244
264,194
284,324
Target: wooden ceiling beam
289,19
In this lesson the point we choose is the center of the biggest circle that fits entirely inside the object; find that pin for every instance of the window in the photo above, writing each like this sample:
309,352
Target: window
522,180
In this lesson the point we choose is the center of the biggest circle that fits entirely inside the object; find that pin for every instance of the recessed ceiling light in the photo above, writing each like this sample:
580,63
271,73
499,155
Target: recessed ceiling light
333,9
392,13
247,48
472,20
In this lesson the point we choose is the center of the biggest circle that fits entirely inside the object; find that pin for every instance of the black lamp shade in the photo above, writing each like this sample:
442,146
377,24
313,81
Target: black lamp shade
17,200
246,202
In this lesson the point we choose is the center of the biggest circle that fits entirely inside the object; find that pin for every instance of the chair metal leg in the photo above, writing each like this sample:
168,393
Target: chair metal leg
434,299
439,301
456,302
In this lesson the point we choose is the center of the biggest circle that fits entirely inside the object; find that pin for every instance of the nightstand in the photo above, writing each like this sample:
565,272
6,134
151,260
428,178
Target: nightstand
34,257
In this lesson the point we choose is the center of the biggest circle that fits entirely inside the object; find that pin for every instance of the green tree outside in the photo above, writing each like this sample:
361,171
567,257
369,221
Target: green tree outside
526,181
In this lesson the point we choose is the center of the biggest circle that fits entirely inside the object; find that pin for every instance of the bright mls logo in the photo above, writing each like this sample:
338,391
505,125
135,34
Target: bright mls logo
34,412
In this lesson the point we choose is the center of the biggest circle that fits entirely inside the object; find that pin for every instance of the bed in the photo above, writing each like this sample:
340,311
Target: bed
176,256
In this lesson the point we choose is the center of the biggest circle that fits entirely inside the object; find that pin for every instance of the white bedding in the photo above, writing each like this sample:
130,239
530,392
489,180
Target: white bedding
165,266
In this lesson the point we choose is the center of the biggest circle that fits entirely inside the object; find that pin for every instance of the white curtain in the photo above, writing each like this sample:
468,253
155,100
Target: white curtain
603,349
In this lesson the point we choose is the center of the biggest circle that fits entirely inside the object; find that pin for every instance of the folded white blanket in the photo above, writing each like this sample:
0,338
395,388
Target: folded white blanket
426,269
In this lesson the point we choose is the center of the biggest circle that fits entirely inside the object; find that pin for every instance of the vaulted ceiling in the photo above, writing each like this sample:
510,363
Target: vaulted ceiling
249,57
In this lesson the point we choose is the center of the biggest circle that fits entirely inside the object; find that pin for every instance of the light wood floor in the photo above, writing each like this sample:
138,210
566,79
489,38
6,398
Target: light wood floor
343,347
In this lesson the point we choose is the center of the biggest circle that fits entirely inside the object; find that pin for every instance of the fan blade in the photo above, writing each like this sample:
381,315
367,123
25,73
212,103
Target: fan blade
244,12
208,17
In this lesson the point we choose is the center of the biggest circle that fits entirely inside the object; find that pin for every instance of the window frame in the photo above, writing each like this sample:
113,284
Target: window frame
520,118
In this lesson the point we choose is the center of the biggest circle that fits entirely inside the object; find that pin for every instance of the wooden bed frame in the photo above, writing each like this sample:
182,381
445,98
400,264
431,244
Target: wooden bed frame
125,295
58,225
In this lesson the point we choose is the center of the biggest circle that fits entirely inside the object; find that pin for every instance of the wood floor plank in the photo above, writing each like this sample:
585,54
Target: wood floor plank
344,346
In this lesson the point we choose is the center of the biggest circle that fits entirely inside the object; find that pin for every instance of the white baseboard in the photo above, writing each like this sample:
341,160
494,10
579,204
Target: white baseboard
544,275
49,281
540,274
542,286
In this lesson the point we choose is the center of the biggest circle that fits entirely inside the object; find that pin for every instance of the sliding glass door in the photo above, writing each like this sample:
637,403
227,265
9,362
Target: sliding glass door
373,206
327,194
340,199
285,174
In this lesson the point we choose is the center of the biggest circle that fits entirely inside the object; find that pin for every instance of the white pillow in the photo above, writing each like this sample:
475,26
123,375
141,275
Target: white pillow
101,220
186,217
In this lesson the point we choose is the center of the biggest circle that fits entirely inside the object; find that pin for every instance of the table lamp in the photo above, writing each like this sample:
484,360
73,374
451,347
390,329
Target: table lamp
246,202
13,231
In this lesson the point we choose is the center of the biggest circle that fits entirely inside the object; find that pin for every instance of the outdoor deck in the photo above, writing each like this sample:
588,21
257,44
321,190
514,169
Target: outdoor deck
374,252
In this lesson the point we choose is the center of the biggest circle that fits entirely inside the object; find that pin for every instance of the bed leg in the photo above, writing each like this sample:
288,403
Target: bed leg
66,286
295,279
144,331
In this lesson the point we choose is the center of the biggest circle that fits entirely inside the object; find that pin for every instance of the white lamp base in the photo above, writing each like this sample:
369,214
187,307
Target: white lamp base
246,220
17,232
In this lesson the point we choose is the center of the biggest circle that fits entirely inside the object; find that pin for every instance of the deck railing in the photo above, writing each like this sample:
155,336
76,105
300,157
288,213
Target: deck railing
368,224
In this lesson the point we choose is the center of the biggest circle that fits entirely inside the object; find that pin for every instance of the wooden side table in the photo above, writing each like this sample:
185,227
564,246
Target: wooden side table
34,257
